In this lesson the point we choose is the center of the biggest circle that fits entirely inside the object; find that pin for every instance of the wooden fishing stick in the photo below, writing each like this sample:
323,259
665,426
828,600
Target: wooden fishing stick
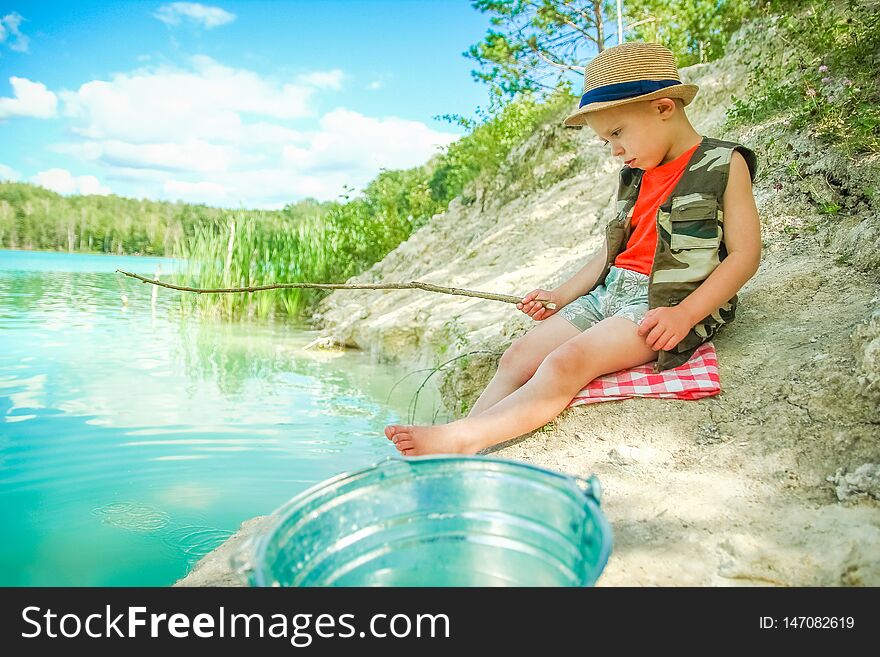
345,286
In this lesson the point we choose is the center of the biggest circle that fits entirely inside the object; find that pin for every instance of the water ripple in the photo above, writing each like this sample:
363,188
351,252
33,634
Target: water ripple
116,420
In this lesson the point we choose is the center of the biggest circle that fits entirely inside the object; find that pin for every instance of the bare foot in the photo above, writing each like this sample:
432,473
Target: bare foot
414,440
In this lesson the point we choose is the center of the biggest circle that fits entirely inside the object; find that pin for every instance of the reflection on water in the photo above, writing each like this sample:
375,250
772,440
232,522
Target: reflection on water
133,440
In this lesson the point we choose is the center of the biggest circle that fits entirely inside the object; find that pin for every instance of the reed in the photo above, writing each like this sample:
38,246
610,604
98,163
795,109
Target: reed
243,249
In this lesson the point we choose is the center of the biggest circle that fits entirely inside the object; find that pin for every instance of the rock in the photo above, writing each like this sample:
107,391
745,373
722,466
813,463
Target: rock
215,568
864,481
867,341
709,435
629,455
619,459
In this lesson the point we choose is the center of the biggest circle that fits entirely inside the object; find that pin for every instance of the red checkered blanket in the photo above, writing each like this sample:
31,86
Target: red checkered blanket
695,379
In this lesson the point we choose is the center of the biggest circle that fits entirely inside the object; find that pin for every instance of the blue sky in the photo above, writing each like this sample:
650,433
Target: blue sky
252,104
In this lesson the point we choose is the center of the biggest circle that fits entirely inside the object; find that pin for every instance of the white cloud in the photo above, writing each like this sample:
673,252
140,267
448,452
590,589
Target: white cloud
264,188
148,176
9,27
323,79
358,143
188,155
8,173
228,136
174,13
269,133
197,192
162,104
63,182
29,99
375,84
348,149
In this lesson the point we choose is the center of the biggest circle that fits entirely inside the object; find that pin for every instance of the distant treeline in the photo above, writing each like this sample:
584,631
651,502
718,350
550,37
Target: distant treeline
35,218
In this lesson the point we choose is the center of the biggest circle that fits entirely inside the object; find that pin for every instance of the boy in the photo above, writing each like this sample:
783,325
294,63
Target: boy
685,239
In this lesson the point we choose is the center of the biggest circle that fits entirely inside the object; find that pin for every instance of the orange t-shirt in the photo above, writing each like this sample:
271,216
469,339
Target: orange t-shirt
655,187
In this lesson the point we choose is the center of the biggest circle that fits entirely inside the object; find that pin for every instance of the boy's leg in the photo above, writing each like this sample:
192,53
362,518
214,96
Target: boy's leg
523,357
611,345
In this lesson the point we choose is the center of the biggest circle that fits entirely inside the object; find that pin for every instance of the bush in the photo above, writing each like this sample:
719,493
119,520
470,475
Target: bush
491,139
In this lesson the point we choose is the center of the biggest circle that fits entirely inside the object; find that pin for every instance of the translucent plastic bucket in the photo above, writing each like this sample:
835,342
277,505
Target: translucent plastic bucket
435,521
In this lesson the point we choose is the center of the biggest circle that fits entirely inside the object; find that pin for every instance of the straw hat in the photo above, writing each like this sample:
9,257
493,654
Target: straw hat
629,73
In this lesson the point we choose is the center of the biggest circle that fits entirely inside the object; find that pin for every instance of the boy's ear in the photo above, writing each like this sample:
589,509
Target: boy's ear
665,106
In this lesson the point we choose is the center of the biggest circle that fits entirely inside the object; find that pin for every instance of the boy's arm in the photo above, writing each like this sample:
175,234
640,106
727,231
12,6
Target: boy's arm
583,281
665,327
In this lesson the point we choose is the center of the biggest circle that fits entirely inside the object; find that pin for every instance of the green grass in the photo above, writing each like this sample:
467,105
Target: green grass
818,69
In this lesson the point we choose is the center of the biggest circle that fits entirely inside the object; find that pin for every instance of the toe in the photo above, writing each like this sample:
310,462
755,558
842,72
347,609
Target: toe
401,435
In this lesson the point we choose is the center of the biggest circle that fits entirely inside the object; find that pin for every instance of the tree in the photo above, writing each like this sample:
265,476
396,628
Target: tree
538,45
533,44
695,30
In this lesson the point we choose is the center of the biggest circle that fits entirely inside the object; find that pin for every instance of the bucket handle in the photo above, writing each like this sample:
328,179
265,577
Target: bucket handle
590,486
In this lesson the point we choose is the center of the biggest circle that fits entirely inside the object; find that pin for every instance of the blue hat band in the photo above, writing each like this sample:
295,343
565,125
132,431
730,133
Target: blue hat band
623,90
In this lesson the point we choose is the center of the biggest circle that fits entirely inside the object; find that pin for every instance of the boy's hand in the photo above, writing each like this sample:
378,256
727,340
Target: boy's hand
537,311
665,327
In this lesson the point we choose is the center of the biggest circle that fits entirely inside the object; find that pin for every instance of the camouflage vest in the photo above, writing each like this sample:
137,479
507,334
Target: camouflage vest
690,237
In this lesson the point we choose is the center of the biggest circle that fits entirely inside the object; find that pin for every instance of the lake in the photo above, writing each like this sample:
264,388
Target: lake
136,437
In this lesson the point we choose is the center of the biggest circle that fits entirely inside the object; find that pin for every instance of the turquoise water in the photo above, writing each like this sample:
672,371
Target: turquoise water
134,439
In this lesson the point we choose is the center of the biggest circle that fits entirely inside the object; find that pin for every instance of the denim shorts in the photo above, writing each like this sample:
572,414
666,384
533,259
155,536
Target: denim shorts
624,294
